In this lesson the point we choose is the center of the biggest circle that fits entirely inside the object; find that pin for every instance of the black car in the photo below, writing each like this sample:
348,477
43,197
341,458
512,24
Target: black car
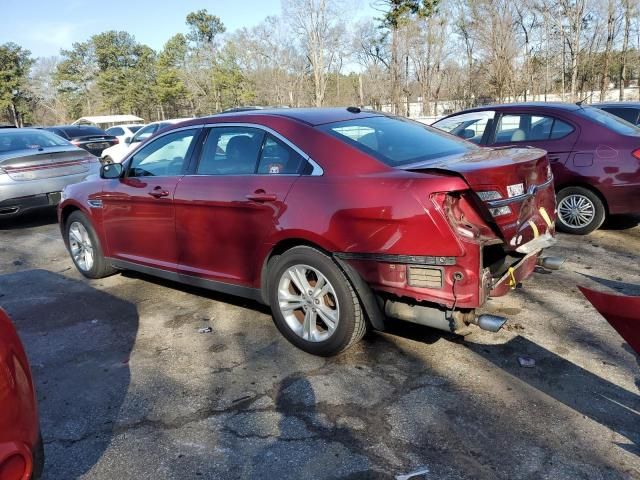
629,111
92,139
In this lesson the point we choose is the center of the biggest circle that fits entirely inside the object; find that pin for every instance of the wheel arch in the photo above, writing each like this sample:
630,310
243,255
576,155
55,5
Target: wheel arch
369,303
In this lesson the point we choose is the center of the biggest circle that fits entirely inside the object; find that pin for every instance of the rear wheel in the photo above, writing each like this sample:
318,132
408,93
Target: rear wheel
313,303
580,211
84,247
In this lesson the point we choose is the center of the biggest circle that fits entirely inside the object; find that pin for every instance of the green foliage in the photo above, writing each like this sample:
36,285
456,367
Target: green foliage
204,27
15,63
400,11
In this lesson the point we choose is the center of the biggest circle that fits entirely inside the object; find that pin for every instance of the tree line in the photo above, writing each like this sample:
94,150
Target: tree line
462,52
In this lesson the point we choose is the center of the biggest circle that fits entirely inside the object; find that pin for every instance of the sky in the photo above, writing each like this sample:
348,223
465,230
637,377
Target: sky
46,26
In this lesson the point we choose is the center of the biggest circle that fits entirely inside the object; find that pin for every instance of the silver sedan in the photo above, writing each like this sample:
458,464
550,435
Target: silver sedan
35,165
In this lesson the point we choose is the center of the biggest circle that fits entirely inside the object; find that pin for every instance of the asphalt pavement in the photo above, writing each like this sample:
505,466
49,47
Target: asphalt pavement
129,388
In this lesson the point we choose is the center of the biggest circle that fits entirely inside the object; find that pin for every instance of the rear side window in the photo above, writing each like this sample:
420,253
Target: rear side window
514,128
230,151
396,141
278,158
608,120
626,113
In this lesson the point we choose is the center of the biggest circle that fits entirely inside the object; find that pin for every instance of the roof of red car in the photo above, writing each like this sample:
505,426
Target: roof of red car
311,116
554,105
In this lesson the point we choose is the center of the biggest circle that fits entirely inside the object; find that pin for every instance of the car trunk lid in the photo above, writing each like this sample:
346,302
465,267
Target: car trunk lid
48,162
513,190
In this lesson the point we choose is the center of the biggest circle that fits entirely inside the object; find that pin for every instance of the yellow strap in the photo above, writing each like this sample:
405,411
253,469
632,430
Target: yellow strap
534,227
512,279
545,216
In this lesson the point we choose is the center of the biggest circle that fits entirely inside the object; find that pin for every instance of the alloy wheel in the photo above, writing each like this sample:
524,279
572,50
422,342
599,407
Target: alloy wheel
80,246
576,211
308,303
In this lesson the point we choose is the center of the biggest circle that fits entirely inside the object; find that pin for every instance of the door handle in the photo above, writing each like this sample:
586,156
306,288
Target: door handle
261,196
158,192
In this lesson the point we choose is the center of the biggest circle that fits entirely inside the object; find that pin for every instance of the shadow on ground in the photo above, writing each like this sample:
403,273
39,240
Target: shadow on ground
78,340
36,218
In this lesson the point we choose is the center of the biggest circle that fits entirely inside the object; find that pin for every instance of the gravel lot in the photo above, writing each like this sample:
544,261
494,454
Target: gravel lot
128,388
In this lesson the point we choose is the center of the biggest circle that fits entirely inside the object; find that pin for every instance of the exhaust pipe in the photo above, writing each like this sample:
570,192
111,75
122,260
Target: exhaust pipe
550,263
488,322
442,319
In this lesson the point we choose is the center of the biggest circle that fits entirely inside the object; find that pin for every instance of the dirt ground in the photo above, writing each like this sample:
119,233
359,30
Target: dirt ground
128,388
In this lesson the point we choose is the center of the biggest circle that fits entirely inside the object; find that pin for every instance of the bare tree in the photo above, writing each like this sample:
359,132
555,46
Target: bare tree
317,24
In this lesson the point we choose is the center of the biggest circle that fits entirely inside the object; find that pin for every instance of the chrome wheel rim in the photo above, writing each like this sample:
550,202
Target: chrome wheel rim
81,247
308,303
576,211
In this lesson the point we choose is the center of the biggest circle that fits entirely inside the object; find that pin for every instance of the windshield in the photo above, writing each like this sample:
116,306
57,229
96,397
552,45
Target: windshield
396,141
134,128
15,140
609,121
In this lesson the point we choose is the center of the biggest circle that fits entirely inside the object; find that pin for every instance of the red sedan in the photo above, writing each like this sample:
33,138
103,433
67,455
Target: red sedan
21,452
336,218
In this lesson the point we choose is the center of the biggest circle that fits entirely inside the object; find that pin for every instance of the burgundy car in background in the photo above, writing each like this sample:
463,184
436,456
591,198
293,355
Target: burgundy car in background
333,217
21,449
595,156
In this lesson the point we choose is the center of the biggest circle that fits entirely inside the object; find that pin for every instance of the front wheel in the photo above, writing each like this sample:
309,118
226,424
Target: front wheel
84,247
580,211
313,303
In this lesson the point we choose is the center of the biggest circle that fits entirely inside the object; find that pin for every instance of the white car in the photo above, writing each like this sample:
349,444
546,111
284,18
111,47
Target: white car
124,131
117,153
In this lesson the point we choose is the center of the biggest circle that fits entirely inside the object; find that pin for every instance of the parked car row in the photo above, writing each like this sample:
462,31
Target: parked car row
594,155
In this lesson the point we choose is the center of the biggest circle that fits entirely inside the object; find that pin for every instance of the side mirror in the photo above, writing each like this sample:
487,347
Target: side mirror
127,140
111,170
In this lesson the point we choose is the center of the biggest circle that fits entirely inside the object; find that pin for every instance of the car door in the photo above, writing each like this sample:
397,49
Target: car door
232,201
549,132
138,209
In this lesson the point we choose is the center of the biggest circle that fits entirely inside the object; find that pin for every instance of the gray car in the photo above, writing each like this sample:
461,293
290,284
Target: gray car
35,165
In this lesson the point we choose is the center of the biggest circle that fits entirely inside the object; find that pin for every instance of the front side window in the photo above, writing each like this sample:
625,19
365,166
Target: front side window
144,133
230,151
164,156
526,127
470,126
396,141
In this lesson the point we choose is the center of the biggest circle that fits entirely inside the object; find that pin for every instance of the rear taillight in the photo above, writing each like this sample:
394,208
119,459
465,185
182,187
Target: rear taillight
493,195
636,153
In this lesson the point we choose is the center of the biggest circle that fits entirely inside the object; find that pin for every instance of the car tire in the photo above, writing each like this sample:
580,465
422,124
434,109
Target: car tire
329,296
580,211
84,247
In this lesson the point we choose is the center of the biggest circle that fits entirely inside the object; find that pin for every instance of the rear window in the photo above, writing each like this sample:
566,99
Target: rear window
73,132
609,121
396,141
15,140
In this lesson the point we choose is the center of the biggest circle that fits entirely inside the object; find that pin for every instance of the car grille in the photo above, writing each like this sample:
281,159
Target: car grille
424,277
